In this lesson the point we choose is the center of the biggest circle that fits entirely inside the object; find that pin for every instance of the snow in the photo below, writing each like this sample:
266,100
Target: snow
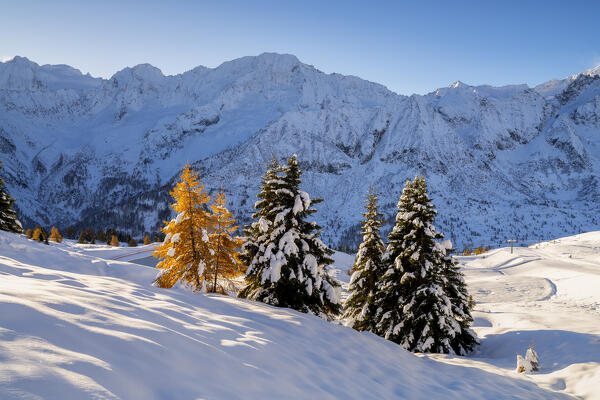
546,295
175,238
78,326
171,252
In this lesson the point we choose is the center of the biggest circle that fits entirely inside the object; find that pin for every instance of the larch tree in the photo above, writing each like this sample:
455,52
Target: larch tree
55,235
360,308
287,261
114,241
147,240
185,249
224,262
414,308
8,217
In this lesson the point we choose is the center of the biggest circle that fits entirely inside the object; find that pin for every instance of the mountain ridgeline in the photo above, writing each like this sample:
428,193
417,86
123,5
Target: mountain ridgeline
500,162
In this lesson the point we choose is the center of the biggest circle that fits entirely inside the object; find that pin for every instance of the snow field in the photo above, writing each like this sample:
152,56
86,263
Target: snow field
77,326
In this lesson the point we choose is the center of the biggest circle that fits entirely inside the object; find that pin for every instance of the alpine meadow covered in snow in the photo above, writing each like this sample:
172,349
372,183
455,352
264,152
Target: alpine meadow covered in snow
261,229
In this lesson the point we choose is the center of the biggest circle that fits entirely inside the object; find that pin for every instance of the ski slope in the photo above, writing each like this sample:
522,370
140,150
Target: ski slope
547,295
75,325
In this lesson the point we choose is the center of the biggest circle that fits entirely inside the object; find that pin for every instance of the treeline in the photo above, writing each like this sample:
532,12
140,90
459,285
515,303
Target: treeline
110,236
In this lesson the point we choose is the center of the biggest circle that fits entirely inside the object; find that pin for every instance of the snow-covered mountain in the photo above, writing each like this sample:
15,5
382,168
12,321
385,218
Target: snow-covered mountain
500,161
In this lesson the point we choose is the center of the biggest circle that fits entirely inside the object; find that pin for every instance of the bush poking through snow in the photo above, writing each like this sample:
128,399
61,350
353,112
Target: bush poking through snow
529,363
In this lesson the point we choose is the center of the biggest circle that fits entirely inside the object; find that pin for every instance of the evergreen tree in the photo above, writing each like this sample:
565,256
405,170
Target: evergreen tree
185,250
414,309
359,308
55,235
455,288
287,262
114,241
224,258
147,240
8,217
82,238
132,242
29,233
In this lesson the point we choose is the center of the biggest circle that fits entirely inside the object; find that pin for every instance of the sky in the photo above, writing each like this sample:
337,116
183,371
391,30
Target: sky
410,47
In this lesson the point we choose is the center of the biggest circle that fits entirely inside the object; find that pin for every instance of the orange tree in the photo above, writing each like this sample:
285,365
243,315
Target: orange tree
185,250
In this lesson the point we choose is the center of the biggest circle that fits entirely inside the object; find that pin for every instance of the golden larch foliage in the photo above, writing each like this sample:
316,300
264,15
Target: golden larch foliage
114,241
55,235
147,240
37,234
185,250
223,265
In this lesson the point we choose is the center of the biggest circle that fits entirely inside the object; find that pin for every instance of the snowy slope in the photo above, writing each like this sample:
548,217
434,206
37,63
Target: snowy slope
501,162
547,295
76,326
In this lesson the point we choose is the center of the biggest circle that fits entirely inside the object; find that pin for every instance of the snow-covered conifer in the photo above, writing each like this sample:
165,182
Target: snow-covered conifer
359,308
184,251
414,308
532,357
8,217
287,261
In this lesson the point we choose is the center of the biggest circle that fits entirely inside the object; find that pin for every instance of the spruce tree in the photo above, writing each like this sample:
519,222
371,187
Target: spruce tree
8,217
414,308
185,251
287,262
359,308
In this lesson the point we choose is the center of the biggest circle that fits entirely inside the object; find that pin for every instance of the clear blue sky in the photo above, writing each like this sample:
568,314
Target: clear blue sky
411,47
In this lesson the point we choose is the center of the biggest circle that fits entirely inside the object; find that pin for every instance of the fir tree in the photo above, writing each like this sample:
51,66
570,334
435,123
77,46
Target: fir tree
8,217
414,309
185,250
147,240
359,308
224,262
287,262
114,241
55,235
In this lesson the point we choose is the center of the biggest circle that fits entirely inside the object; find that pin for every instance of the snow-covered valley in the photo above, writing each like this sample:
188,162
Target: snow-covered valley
81,321
501,162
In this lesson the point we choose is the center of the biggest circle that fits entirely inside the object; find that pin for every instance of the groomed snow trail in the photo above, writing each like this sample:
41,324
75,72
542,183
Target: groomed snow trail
76,326
547,295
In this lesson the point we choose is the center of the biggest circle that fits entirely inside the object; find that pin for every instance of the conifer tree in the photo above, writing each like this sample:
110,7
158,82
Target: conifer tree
29,233
101,236
224,262
414,309
8,217
147,240
82,238
287,262
55,235
359,308
38,234
185,250
114,241
132,242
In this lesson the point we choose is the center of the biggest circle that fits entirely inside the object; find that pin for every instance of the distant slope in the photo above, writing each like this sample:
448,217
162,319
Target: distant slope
546,295
501,162
74,326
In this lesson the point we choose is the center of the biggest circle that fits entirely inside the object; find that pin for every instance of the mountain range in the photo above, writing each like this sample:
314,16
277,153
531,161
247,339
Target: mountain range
501,162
